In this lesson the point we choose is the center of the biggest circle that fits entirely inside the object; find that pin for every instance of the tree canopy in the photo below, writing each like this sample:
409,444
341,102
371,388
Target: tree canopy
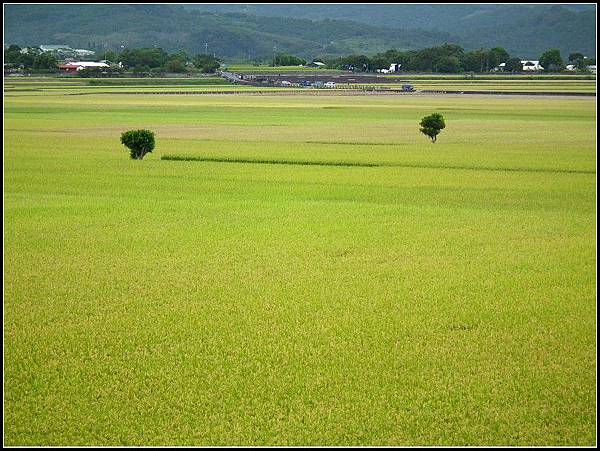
432,125
139,142
551,60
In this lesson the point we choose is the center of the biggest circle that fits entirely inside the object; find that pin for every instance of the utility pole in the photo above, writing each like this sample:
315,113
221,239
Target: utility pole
206,48
274,50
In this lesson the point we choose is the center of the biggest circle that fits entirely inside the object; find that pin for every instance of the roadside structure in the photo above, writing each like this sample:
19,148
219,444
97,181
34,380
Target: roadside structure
74,66
531,66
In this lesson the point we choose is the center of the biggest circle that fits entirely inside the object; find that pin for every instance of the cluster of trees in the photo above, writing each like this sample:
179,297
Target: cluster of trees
447,58
287,60
31,58
147,60
551,60
139,61
450,58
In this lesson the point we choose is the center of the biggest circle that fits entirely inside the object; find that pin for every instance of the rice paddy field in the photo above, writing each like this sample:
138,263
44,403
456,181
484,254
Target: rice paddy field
299,270
513,84
509,85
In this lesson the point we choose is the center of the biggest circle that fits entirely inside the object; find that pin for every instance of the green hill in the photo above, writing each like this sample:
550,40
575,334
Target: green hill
525,30
173,28
250,31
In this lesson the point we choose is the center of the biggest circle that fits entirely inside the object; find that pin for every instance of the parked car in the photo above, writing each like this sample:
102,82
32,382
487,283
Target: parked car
286,83
408,88
330,84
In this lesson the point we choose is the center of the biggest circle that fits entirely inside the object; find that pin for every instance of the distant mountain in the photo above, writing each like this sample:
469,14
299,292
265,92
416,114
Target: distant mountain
524,30
249,31
174,28
528,31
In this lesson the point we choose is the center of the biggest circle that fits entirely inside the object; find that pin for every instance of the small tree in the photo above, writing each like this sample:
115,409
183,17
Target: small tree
513,65
432,125
575,57
551,60
139,142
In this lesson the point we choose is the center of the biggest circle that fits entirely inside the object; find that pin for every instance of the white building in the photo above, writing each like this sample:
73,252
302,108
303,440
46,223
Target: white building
500,67
87,64
55,48
394,67
530,65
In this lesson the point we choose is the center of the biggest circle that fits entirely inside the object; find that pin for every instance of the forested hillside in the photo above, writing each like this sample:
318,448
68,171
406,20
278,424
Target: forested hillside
314,30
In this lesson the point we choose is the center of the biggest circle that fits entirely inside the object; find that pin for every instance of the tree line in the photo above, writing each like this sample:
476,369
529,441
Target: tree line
447,58
31,58
139,61
452,58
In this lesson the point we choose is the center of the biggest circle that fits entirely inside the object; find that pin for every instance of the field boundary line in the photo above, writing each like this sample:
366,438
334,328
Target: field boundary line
366,164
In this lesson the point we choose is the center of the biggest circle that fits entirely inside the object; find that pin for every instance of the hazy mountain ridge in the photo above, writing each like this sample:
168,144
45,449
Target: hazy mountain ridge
230,32
522,29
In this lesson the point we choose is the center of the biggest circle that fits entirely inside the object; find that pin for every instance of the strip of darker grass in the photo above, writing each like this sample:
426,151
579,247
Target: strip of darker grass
260,161
345,143
363,164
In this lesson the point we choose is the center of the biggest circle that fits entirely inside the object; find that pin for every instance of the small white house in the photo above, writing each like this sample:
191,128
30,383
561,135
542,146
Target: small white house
317,64
394,67
87,64
529,65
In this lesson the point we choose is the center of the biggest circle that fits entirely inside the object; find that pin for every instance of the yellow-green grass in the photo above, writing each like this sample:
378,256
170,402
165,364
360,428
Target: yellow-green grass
213,303
214,84
207,89
525,86
491,76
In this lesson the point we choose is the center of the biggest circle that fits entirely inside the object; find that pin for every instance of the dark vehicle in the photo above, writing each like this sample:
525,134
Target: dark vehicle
305,83
408,88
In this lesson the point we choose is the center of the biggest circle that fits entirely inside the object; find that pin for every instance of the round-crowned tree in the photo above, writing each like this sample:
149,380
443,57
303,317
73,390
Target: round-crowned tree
432,125
139,142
